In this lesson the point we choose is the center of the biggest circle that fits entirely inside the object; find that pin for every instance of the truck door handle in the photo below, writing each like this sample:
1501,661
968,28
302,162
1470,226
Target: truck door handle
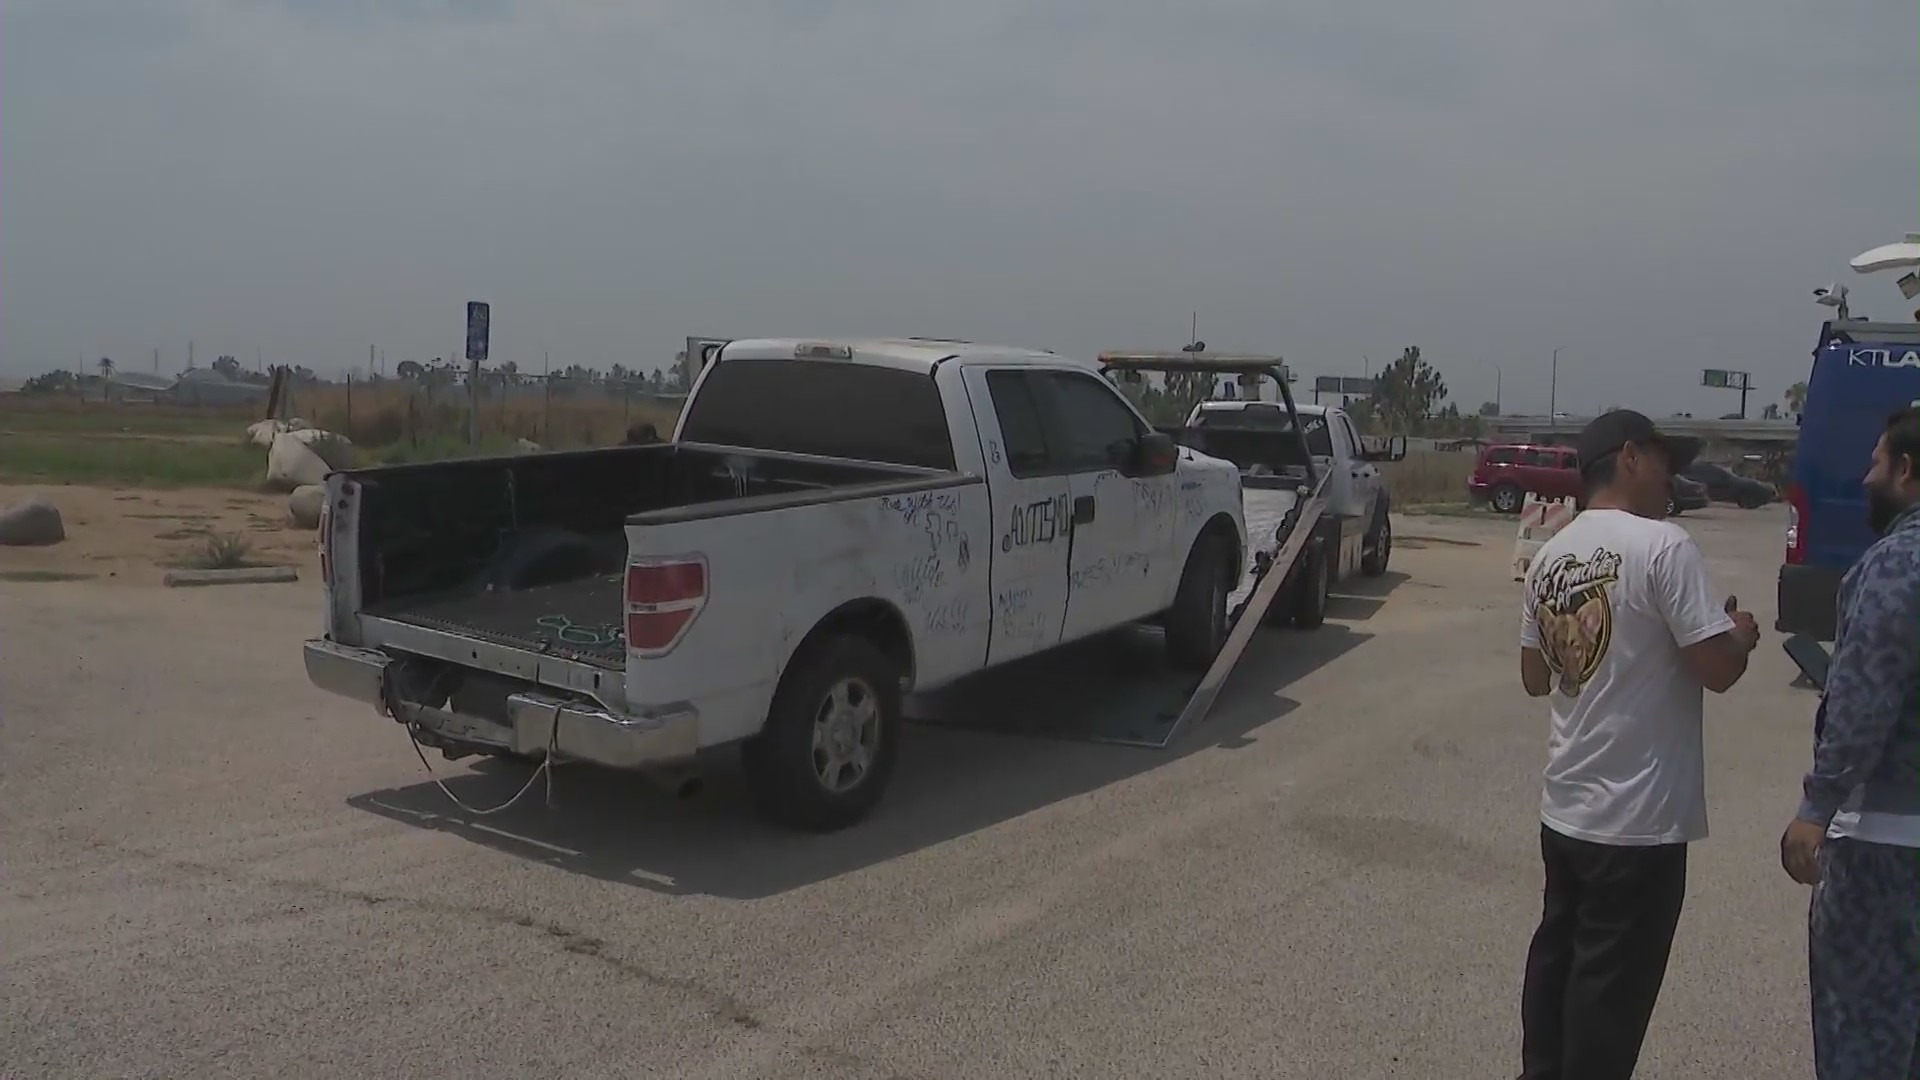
1083,510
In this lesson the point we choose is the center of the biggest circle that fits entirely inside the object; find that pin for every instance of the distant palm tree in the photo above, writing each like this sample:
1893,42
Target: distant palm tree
1796,398
106,368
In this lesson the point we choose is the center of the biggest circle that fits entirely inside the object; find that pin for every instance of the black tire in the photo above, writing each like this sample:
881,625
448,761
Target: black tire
1379,548
1197,622
1506,499
1751,502
1311,588
784,767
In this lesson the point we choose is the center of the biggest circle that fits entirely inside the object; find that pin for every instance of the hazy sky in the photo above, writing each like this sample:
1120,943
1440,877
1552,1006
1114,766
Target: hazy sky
1657,187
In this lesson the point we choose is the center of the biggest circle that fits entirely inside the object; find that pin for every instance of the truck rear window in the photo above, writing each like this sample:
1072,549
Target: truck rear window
1269,419
822,407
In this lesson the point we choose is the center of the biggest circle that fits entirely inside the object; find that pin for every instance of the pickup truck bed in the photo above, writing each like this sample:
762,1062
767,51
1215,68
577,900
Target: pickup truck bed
575,620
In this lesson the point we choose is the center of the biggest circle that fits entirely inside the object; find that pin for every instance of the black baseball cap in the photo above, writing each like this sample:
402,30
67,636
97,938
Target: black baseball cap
1609,433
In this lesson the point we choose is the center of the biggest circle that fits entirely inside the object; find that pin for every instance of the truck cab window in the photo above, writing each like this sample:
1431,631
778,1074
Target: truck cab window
1021,428
1087,418
798,406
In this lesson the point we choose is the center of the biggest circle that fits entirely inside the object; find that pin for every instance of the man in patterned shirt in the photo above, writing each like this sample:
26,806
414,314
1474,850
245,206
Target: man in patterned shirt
1856,839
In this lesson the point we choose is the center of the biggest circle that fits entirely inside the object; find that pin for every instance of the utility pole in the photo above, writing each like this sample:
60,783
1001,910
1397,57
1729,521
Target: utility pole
156,359
189,354
371,353
1496,390
1553,389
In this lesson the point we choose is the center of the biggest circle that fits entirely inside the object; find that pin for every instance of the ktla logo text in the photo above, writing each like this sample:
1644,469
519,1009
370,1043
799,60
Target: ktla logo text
1882,358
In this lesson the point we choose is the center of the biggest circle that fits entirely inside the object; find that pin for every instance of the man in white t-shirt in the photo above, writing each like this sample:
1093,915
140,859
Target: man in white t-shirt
1621,630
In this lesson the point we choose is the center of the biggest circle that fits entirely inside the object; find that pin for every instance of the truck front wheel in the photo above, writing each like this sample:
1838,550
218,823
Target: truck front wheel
831,738
1379,546
1197,622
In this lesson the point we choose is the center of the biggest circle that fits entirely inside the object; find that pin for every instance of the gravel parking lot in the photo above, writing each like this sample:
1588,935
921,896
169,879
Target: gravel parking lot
212,869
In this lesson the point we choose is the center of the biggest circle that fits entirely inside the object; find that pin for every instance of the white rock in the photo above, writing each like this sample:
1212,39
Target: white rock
526,446
34,523
305,504
291,463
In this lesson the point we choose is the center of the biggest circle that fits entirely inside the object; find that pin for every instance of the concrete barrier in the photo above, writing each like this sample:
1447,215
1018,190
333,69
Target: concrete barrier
1540,519
239,575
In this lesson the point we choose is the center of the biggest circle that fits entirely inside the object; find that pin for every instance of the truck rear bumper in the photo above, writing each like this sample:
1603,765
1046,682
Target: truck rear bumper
1808,596
533,722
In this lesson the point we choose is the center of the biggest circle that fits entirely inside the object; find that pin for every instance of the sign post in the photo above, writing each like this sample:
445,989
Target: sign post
479,330
1729,380
1344,385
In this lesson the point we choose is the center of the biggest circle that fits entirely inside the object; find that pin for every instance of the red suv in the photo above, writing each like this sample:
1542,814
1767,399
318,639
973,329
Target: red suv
1505,474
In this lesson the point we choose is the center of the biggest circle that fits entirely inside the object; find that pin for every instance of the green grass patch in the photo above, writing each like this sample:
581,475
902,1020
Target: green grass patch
439,449
105,462
120,419
1440,509
222,551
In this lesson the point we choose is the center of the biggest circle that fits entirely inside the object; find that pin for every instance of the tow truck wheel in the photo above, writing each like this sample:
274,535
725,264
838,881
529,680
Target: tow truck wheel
1311,588
828,749
1379,548
1197,622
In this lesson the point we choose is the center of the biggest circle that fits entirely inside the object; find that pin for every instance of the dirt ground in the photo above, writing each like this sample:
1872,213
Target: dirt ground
133,537
212,869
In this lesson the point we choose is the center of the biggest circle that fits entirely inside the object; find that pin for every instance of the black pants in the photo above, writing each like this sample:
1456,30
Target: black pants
1599,957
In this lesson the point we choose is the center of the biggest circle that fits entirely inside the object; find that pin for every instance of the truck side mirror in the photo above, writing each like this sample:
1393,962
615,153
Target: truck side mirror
1155,454
1152,454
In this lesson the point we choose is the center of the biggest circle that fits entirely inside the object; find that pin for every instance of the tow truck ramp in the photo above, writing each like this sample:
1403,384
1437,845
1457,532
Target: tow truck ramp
1117,688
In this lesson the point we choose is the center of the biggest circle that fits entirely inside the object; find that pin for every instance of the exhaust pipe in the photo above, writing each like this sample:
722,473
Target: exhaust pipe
676,781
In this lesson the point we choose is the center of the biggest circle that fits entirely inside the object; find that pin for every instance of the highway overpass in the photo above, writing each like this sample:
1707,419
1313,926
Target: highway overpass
1753,433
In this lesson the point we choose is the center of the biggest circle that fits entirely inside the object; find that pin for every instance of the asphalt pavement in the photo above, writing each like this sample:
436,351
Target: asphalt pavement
212,869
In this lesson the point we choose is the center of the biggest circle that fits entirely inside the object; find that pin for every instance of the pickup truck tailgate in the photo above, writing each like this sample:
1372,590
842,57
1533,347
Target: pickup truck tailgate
574,620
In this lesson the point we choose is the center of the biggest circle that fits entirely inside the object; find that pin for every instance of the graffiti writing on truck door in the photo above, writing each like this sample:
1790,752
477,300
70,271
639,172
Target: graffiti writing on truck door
1040,522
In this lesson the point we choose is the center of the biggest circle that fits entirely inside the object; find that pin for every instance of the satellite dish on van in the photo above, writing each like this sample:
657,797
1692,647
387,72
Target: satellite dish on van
1889,256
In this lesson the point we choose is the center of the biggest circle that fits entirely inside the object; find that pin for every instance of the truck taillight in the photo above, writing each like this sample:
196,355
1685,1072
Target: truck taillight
326,543
664,596
1796,525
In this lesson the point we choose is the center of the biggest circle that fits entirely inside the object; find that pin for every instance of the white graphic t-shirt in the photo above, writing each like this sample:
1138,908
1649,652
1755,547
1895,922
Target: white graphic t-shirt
1610,601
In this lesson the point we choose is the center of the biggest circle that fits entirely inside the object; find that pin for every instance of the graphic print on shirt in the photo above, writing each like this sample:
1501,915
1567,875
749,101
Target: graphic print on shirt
1575,615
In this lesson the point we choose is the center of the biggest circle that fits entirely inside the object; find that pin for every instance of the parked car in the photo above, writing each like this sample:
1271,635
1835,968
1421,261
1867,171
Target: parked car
1506,473
1687,495
1725,485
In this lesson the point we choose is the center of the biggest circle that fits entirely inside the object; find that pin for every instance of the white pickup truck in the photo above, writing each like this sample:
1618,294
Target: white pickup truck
1354,536
833,525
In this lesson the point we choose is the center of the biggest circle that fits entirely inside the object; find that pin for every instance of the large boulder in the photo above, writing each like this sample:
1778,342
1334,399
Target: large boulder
305,504
300,458
34,523
262,433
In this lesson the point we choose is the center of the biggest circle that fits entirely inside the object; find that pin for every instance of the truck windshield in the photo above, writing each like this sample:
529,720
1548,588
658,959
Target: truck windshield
824,407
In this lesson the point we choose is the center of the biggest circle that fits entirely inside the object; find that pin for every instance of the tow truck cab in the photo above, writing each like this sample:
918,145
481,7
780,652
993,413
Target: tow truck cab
1862,371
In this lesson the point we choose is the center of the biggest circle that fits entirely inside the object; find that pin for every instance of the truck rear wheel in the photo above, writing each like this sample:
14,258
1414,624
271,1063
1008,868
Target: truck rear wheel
1311,588
1197,622
831,738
